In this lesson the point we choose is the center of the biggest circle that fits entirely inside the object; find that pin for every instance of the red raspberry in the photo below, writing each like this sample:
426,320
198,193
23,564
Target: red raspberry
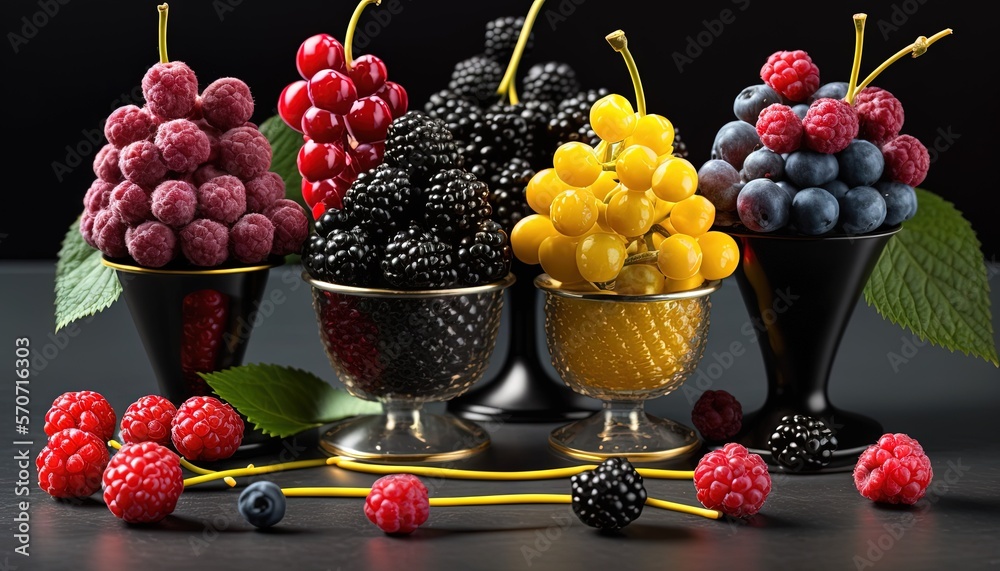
906,160
291,227
71,464
131,202
227,103
87,410
183,146
142,164
170,89
398,503
880,115
148,420
263,190
732,480
830,125
895,470
108,233
205,242
142,482
98,196
174,203
203,322
87,228
250,239
205,428
106,164
127,125
792,74
717,415
151,244
223,199
779,128
244,152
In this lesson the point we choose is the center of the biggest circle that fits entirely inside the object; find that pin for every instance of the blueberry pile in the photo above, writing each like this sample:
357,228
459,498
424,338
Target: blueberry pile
417,221
800,157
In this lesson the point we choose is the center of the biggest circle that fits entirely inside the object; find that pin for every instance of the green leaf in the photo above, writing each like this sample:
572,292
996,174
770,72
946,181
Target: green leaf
932,279
285,145
282,401
84,286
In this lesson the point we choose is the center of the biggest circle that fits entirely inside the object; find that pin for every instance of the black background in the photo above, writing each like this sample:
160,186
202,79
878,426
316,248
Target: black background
89,58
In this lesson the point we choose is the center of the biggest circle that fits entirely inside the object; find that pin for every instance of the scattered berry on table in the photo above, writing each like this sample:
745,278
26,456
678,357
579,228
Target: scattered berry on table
262,504
397,504
895,470
71,463
732,480
148,419
87,410
206,428
143,482
802,443
717,415
610,496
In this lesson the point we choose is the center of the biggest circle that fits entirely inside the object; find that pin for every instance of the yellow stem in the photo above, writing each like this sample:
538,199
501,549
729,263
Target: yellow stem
504,499
184,463
664,504
351,27
917,48
163,9
252,470
456,474
859,40
506,87
619,42
326,492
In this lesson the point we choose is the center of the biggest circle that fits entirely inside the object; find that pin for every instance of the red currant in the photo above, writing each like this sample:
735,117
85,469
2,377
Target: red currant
395,96
320,52
367,156
318,210
293,103
330,192
369,74
323,126
333,91
369,120
319,161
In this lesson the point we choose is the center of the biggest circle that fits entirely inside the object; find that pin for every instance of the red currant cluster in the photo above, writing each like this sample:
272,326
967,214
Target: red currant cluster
344,108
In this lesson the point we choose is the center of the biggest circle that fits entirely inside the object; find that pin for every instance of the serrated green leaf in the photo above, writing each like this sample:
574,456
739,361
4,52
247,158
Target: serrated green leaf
84,286
282,401
932,279
285,145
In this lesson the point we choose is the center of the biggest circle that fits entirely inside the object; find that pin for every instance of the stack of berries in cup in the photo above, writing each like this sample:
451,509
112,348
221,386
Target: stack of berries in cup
185,179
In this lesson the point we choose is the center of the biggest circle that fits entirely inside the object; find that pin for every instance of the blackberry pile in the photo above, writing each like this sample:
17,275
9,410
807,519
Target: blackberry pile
417,221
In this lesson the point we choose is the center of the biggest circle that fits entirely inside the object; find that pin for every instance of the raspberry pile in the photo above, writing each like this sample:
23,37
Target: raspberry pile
185,180
416,221
732,480
343,107
610,496
397,504
802,443
894,470
813,158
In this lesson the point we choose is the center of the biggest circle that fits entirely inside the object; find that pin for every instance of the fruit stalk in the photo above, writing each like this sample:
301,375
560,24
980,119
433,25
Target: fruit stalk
619,42
917,48
163,9
351,27
859,40
507,83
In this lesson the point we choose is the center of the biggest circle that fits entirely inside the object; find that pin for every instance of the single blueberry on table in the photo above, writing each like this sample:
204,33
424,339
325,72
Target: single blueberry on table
262,504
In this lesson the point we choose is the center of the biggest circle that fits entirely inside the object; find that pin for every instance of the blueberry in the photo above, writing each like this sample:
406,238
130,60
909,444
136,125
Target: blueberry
801,109
720,183
788,187
805,169
837,188
814,211
763,206
734,141
763,163
900,201
861,163
752,100
833,90
862,210
262,504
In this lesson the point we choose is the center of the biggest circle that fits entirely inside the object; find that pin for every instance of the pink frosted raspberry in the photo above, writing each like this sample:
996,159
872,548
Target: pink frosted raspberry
131,202
291,227
227,103
127,125
830,125
151,244
205,242
251,238
175,202
213,135
263,190
244,152
87,228
170,89
206,173
142,164
223,199
196,113
109,234
98,196
880,115
906,160
779,128
106,164
183,146
792,74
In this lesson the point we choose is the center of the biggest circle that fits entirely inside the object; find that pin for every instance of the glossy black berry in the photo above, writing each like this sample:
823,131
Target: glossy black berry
802,443
417,259
349,258
262,504
551,81
507,188
478,77
459,113
382,202
502,35
609,497
484,257
420,145
571,121
455,203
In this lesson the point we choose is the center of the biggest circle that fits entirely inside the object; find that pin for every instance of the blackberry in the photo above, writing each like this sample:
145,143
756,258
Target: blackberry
507,192
332,219
571,122
502,35
609,497
484,257
478,77
350,258
551,81
420,145
313,256
455,203
381,202
508,131
801,442
416,259
459,113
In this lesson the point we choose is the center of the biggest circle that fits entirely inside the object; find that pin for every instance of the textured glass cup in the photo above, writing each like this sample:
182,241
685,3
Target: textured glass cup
403,349
625,350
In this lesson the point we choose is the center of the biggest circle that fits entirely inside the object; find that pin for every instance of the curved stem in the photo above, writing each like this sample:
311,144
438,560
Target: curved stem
506,87
252,470
351,27
457,474
163,9
619,42
859,39
917,48
642,258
